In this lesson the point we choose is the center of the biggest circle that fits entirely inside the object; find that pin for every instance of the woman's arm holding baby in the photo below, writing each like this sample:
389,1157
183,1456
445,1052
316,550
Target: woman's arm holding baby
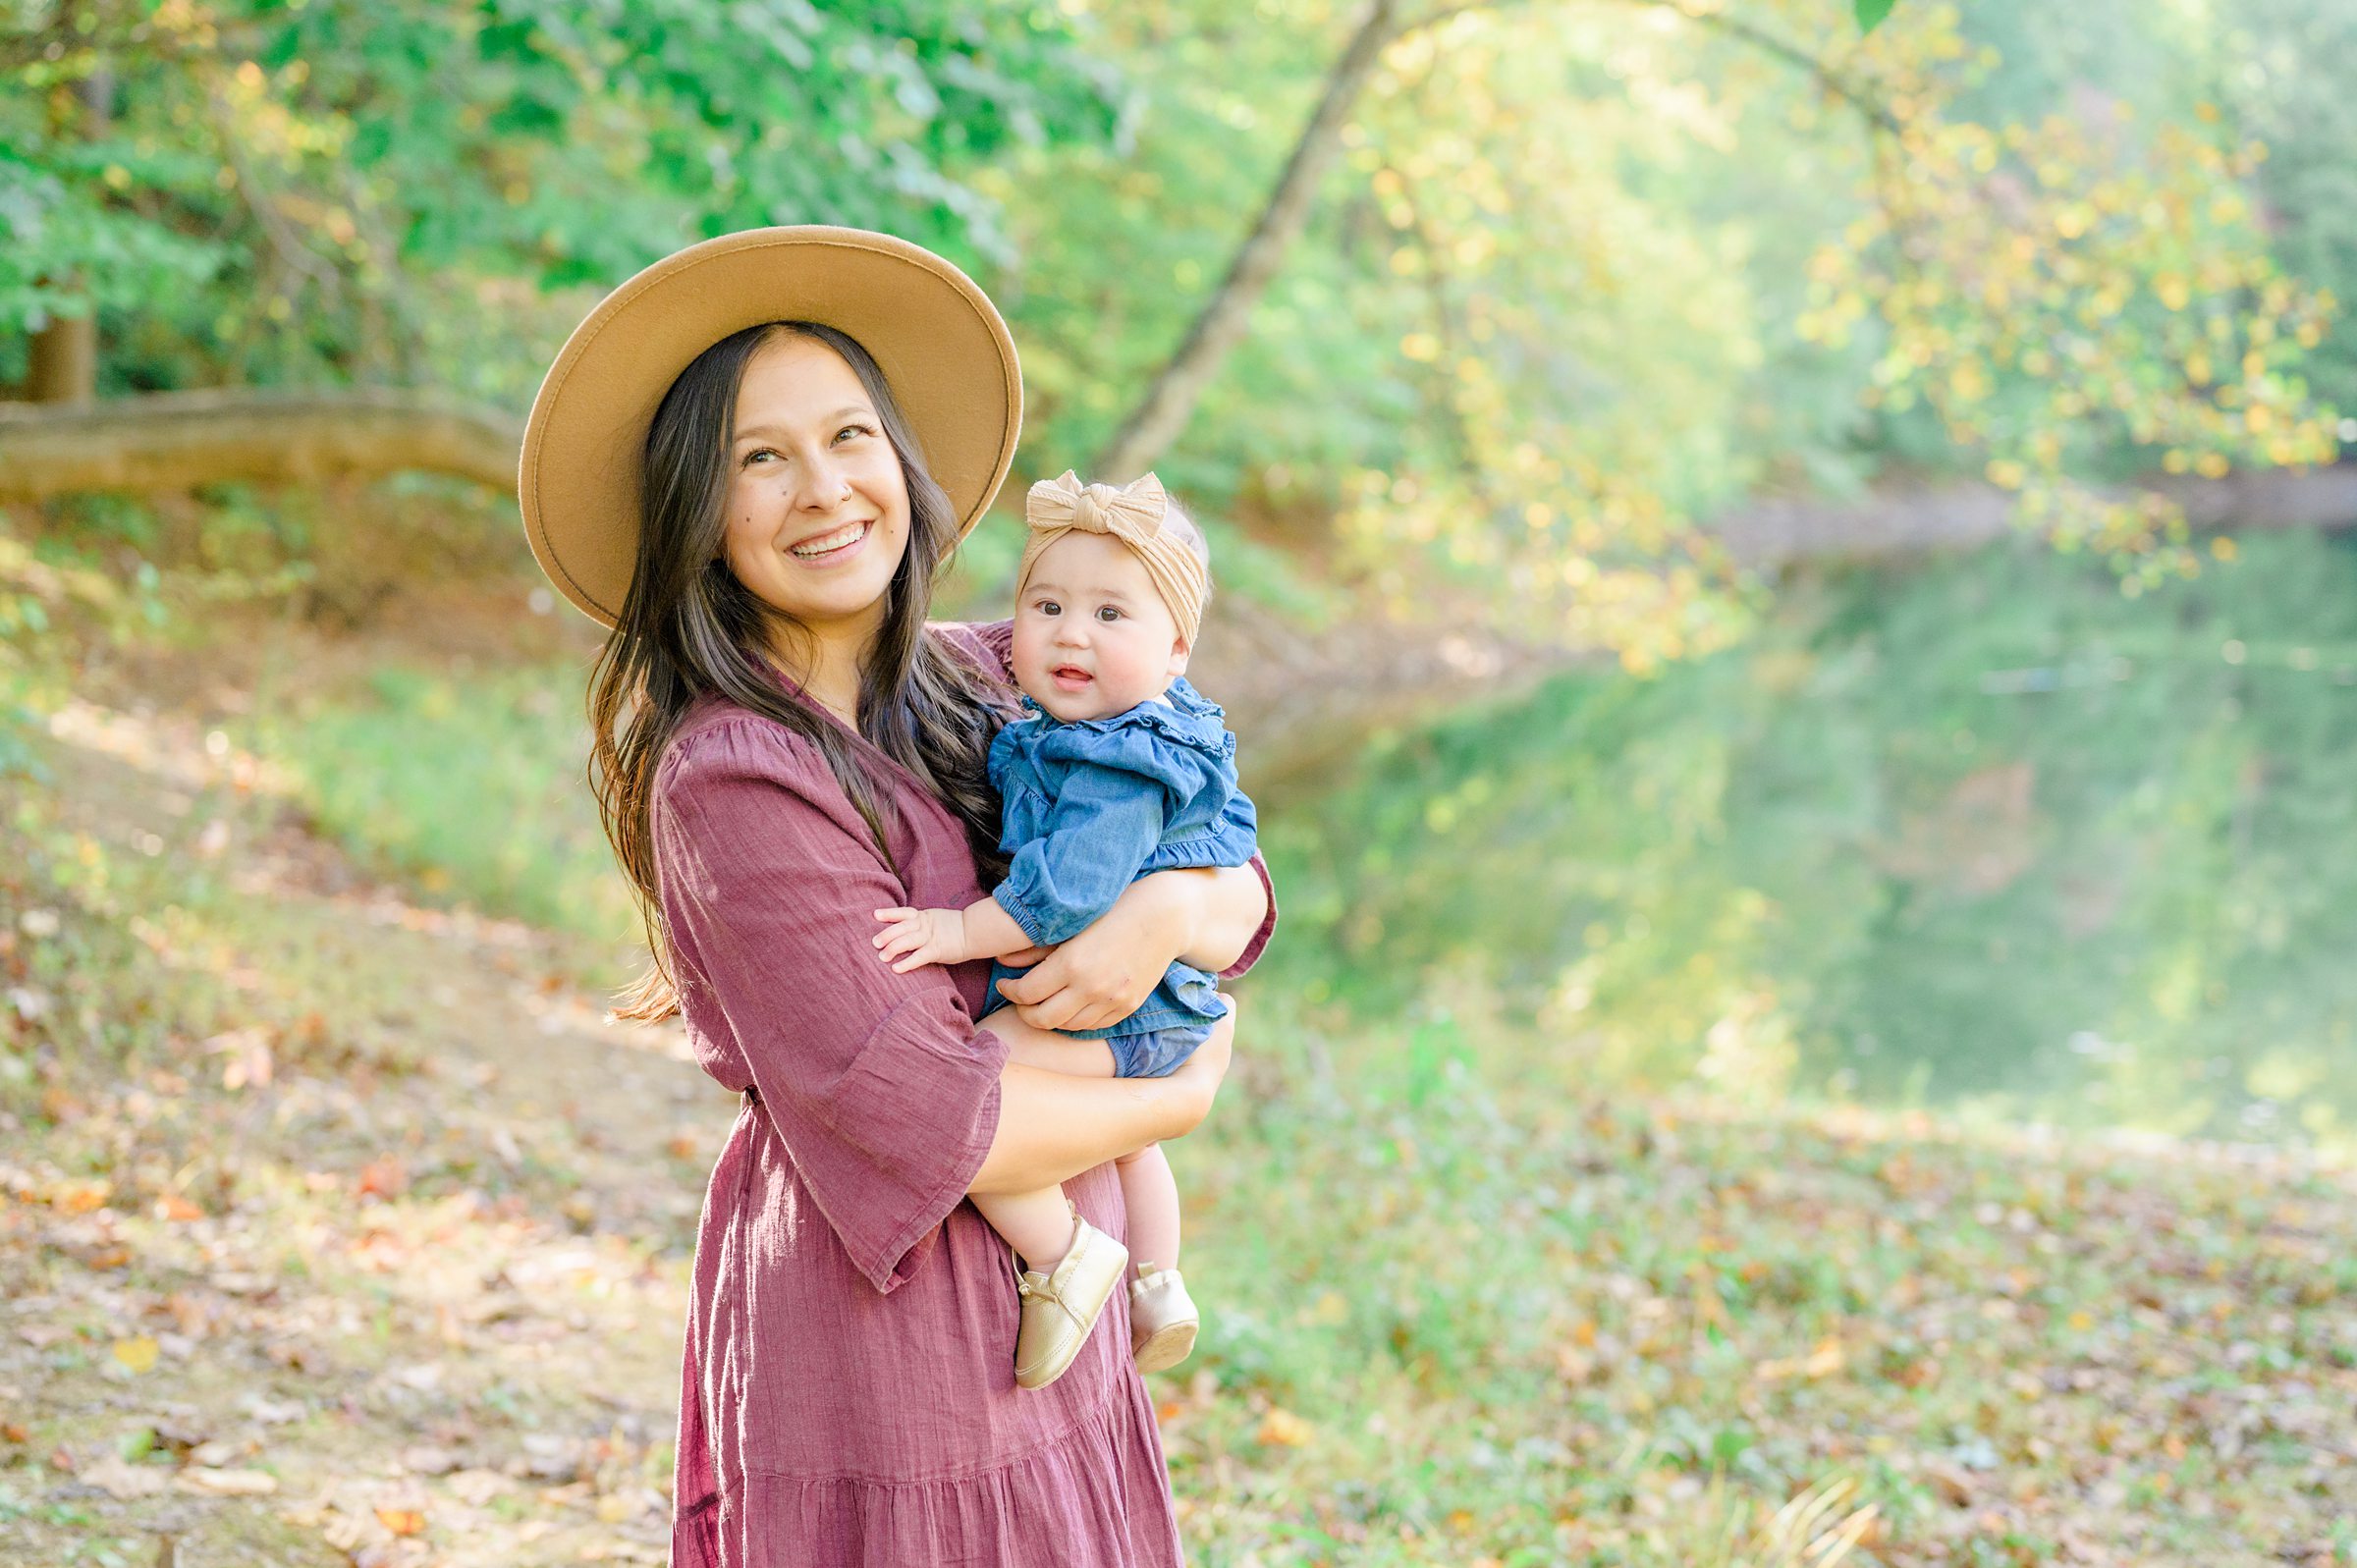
1206,917
1052,1126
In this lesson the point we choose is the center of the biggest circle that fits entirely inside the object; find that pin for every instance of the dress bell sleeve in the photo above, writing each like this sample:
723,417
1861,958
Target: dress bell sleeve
990,644
882,1092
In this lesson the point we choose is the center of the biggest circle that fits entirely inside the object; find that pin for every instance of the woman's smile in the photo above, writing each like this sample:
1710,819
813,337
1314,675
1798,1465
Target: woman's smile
829,548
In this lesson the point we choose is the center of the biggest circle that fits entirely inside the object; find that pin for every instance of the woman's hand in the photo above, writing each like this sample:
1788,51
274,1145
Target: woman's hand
1101,975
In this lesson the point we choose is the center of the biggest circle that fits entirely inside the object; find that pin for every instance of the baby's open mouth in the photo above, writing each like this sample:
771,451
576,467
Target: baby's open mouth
1070,676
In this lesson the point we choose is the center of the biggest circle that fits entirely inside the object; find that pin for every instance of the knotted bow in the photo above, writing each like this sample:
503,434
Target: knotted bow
1133,513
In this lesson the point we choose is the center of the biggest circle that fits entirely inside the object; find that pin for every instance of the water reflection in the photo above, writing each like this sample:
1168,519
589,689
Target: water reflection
1989,836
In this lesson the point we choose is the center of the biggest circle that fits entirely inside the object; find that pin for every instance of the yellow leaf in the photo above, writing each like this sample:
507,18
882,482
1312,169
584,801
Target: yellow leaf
137,1353
401,1521
1280,1427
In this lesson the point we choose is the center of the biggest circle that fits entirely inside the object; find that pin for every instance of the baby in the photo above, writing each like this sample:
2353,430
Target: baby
1118,768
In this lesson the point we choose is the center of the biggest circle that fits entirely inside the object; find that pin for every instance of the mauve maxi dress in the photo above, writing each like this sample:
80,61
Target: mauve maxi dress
848,1390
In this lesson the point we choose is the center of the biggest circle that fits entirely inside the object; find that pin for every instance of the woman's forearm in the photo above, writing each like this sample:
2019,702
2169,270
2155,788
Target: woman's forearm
1052,1126
1230,903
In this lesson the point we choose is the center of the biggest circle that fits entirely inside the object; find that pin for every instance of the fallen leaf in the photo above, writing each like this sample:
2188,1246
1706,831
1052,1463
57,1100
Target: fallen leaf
81,1198
122,1480
385,1177
137,1353
424,1459
478,1487
172,1205
401,1521
1282,1427
227,1483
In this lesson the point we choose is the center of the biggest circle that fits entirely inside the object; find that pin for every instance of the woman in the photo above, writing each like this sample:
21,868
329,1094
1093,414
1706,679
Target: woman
749,462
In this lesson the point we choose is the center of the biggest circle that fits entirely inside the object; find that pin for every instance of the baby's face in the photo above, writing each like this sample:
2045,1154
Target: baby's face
1092,637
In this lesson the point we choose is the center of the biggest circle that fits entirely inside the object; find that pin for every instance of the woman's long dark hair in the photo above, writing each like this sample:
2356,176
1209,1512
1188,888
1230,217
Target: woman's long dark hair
688,628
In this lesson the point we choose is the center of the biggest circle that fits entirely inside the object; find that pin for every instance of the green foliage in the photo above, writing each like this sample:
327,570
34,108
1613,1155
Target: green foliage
1993,833
381,188
1578,280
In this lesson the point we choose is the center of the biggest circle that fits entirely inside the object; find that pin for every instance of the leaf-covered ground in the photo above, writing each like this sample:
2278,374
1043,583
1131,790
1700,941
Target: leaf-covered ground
337,1229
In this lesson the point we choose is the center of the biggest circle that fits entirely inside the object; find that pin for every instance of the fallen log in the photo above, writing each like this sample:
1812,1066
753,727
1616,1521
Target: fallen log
179,440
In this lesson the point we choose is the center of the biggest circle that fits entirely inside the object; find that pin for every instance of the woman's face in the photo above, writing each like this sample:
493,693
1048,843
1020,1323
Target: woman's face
817,508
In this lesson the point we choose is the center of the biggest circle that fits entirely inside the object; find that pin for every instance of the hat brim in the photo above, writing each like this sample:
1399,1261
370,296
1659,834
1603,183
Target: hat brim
942,345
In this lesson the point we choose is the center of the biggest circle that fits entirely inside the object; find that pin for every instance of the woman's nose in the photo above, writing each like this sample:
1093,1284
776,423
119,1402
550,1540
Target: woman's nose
823,487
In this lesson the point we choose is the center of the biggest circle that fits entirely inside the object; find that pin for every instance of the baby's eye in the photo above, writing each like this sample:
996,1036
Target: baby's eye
1048,607
1108,612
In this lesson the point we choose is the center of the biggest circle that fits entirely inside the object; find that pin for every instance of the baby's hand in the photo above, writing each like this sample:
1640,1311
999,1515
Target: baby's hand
916,937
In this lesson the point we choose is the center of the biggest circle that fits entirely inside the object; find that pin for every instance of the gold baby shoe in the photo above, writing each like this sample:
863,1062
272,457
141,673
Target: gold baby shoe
1162,1319
1061,1307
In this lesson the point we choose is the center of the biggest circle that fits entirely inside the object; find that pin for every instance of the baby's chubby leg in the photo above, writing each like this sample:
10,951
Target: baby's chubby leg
1150,1193
1034,1046
1038,1225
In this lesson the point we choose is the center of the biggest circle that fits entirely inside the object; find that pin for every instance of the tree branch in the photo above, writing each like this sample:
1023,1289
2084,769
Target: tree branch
1169,397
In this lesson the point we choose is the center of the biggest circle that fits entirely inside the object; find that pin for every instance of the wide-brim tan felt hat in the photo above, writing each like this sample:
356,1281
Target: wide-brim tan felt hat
940,343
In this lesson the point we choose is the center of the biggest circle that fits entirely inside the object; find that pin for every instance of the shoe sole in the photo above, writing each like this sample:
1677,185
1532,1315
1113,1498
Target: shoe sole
1166,1347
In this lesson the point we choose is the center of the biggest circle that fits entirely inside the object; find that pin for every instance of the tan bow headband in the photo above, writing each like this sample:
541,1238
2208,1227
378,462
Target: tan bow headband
1133,515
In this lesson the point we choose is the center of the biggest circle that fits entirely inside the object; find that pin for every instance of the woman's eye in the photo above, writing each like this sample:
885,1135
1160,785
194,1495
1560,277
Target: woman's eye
852,430
756,455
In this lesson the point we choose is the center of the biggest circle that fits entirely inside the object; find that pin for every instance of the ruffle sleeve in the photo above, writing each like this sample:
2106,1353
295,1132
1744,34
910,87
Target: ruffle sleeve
882,1092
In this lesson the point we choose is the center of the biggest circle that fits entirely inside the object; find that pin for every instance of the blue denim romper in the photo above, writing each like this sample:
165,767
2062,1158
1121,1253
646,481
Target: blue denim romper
1089,807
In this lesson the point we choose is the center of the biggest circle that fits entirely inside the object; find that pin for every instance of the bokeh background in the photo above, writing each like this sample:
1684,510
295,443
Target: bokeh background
1786,581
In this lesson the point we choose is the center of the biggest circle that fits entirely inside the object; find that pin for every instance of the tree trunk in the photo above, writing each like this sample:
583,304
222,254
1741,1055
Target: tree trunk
176,440
64,365
1155,422
63,369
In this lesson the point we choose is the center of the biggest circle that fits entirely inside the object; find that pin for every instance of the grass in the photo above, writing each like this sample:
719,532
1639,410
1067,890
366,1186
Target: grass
469,783
286,1124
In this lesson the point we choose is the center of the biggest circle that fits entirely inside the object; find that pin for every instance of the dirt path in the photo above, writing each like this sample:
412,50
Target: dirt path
393,1274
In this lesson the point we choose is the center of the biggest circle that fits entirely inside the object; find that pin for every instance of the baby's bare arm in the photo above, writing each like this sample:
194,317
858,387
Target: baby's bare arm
914,937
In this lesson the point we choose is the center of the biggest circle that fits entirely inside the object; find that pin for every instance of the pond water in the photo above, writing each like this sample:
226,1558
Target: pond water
1985,834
